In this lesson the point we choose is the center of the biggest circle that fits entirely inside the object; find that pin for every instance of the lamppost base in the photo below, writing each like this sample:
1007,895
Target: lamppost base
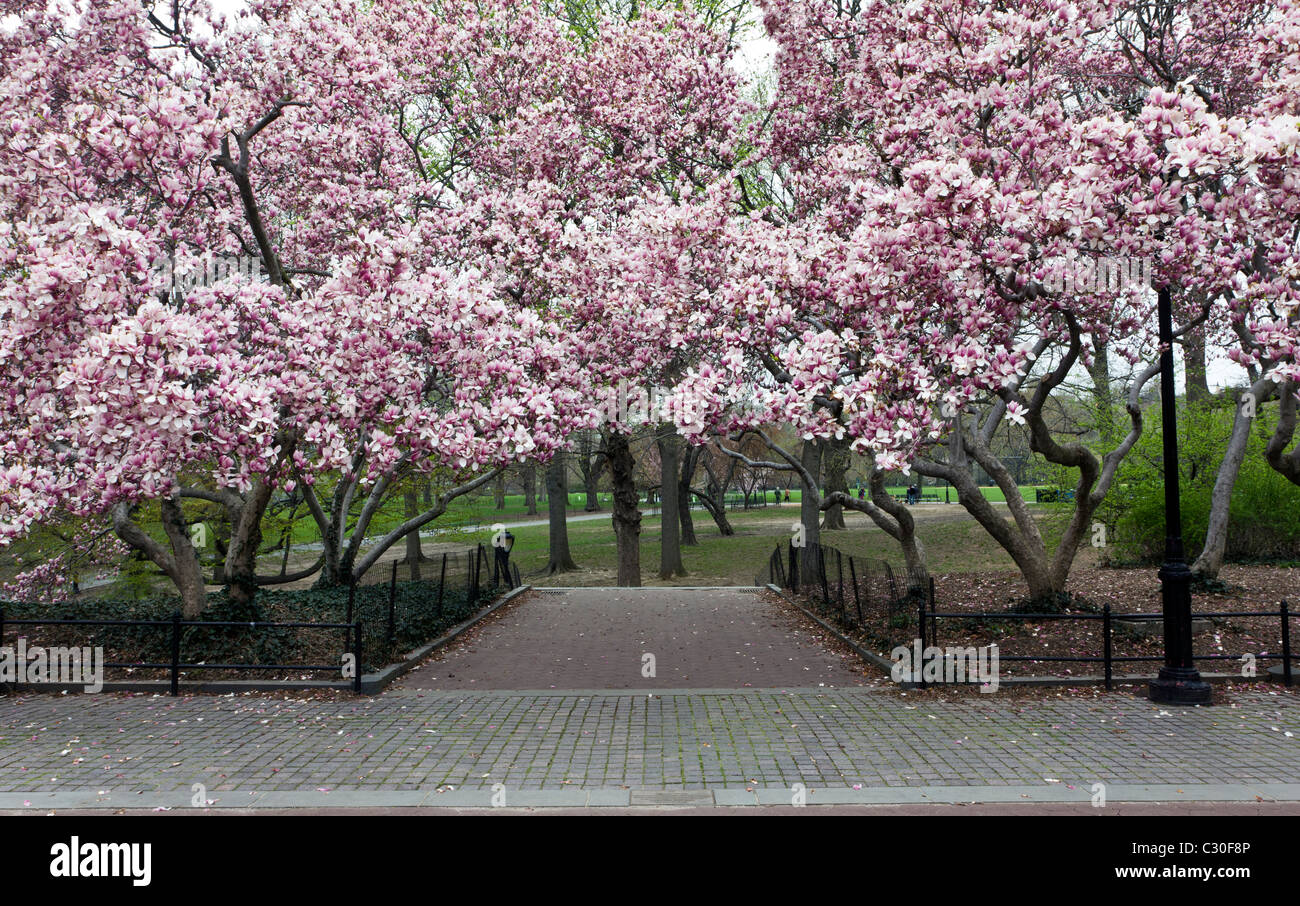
1180,686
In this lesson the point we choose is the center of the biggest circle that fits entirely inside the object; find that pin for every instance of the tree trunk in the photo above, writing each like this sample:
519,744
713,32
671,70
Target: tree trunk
1285,464
413,552
836,466
1210,561
1194,370
717,508
221,549
530,488
810,457
331,573
1102,393
245,514
670,537
180,563
499,492
714,496
591,463
690,460
188,573
627,515
913,550
1024,545
895,519
557,496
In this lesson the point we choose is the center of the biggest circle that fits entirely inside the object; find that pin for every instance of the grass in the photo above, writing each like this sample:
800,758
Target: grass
992,493
466,511
954,543
480,509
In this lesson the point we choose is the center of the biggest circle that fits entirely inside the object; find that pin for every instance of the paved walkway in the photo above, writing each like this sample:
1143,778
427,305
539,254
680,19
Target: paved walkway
599,638
626,744
686,747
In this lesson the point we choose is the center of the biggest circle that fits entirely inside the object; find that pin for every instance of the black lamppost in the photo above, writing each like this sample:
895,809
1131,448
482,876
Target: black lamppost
1179,682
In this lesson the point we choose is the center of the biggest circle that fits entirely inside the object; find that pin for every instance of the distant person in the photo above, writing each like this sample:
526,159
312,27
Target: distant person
862,493
787,496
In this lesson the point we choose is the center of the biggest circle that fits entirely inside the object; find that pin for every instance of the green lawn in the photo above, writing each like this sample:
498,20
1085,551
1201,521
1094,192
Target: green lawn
954,543
477,510
993,493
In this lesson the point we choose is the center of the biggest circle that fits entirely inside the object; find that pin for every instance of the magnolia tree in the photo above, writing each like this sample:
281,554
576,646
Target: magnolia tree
367,346
657,117
980,168
939,193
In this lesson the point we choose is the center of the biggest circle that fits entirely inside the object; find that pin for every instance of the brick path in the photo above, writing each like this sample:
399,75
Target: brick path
412,744
596,638
659,747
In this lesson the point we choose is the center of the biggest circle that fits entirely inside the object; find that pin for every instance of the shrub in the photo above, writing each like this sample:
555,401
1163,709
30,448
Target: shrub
1264,513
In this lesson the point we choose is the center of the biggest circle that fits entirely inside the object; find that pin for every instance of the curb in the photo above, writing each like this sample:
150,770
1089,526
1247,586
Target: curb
747,797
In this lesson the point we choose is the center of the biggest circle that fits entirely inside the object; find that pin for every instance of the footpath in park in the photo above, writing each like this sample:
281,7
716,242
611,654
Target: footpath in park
550,703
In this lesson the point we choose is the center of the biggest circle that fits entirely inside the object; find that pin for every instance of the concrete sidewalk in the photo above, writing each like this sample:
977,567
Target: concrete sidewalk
618,748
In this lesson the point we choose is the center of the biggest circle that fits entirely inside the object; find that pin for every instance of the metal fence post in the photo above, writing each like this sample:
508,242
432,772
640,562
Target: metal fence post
1106,643
1286,644
356,655
857,601
920,629
352,597
794,568
839,572
934,623
442,583
176,652
473,574
821,570
392,603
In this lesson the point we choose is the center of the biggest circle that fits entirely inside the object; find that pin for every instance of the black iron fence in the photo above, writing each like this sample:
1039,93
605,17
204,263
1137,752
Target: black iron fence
863,594
445,585
372,619
895,607
174,628
1108,617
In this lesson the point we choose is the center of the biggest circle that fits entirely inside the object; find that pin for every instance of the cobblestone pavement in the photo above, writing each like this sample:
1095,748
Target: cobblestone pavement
619,747
444,744
597,638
